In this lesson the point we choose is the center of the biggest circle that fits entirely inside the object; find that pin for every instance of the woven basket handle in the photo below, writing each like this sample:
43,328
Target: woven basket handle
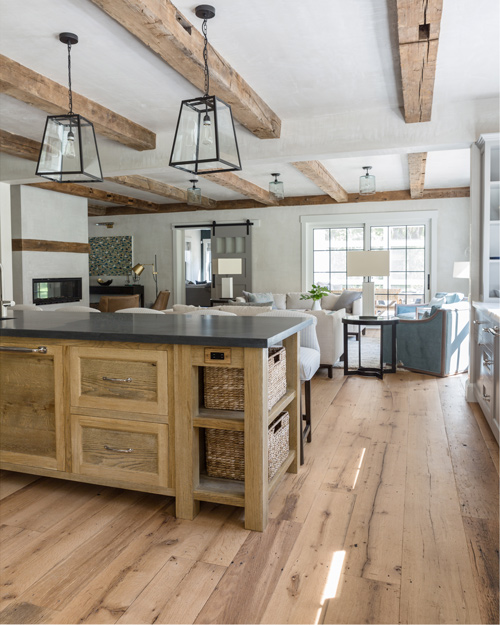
278,356
279,423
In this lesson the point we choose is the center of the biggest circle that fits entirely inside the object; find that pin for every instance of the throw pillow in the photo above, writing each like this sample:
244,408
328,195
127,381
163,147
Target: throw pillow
329,301
279,301
453,298
346,300
437,302
293,302
258,298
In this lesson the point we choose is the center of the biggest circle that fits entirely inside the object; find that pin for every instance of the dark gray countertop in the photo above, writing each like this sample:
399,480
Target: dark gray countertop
141,328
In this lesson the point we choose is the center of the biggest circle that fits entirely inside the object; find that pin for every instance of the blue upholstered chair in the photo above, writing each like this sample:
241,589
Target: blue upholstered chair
438,344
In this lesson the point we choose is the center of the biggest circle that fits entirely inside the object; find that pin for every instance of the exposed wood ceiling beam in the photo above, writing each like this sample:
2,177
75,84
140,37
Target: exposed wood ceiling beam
322,178
81,190
418,31
308,200
416,168
249,189
96,210
158,188
15,145
28,86
161,27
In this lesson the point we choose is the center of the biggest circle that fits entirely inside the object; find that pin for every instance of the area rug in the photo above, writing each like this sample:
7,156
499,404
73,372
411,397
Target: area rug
370,353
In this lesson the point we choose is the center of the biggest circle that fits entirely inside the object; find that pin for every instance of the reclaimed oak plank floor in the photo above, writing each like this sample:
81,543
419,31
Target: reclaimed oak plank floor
392,519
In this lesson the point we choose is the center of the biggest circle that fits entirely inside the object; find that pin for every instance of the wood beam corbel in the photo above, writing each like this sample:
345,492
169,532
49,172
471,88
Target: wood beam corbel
249,189
95,210
322,178
416,169
142,183
163,29
28,86
81,190
418,31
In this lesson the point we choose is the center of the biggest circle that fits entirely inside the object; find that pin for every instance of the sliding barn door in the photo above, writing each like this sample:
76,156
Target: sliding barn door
233,242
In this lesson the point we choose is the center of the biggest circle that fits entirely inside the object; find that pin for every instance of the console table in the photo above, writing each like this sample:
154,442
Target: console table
381,322
132,289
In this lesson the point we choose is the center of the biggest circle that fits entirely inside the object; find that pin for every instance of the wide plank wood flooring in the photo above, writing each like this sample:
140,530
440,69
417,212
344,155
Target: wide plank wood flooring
392,519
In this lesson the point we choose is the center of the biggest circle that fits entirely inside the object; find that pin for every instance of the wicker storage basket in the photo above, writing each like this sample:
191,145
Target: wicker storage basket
225,450
224,387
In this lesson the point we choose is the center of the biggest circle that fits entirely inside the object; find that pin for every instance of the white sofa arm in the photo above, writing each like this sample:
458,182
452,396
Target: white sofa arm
330,334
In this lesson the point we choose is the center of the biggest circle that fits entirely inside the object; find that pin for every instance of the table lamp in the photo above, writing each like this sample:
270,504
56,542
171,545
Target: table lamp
368,264
223,267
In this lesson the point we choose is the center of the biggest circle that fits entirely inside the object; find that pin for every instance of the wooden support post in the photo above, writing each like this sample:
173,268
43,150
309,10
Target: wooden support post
186,436
292,344
256,417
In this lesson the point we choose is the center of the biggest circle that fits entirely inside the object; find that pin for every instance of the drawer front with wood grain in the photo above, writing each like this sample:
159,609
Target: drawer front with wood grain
32,406
119,379
125,451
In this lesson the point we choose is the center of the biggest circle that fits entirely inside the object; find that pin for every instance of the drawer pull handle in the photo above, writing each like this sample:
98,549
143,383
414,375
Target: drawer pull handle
119,451
493,331
25,350
478,323
487,361
116,379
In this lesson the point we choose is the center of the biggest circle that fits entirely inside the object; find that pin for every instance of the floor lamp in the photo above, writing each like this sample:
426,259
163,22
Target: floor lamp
139,268
224,267
368,264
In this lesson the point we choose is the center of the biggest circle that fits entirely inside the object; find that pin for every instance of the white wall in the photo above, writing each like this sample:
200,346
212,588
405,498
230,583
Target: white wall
48,216
6,242
277,242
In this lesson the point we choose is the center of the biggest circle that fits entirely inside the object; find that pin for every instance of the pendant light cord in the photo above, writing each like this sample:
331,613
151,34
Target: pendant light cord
70,93
205,56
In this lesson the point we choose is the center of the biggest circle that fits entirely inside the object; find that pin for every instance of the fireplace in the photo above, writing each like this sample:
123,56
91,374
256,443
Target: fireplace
56,290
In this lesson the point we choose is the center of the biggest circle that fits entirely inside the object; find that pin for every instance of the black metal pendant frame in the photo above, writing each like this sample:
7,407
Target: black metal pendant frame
74,122
201,106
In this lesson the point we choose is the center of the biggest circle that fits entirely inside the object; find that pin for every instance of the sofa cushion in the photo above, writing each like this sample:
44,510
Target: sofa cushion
251,304
328,302
258,298
279,301
309,362
247,310
346,300
184,308
293,302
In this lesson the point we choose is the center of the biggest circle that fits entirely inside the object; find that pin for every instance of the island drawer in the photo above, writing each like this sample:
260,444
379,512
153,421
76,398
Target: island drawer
126,451
130,380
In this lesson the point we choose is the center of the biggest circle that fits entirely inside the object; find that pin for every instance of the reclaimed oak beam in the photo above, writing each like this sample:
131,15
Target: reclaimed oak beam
142,183
307,200
163,29
418,32
15,145
322,178
235,183
95,210
28,86
35,245
416,169
97,194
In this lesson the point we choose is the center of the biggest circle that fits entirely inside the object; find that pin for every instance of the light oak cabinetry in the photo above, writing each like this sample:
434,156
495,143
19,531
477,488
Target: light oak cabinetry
32,405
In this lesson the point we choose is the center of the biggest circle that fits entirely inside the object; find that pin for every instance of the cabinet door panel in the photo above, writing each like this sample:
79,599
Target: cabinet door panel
31,408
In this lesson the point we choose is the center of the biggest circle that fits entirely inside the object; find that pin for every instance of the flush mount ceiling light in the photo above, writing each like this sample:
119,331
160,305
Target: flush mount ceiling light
194,194
205,139
276,187
69,149
367,182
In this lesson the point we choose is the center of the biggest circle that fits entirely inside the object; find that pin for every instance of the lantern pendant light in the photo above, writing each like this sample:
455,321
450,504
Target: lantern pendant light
367,182
194,194
69,149
276,187
205,139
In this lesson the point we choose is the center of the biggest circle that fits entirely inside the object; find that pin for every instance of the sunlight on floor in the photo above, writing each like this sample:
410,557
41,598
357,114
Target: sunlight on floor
332,581
359,467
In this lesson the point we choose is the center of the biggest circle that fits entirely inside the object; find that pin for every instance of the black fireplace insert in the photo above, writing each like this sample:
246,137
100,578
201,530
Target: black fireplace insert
56,290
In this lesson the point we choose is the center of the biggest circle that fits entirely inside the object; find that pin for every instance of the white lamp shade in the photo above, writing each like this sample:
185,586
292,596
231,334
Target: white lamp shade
461,269
225,266
368,263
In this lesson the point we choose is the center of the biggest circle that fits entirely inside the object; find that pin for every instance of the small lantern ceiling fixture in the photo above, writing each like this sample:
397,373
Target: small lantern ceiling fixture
69,149
194,194
367,182
205,139
276,187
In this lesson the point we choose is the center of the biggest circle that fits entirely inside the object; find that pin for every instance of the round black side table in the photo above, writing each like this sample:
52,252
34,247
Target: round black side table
382,323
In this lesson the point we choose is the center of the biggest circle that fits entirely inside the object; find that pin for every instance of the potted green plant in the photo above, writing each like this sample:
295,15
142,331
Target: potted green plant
316,293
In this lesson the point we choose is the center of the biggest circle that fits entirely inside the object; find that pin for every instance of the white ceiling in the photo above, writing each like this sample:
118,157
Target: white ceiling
328,68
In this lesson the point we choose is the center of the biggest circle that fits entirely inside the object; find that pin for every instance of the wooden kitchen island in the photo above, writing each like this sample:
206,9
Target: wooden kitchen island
115,400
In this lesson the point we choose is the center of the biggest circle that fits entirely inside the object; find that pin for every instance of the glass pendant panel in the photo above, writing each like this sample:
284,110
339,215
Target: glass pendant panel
367,185
278,188
194,196
69,150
